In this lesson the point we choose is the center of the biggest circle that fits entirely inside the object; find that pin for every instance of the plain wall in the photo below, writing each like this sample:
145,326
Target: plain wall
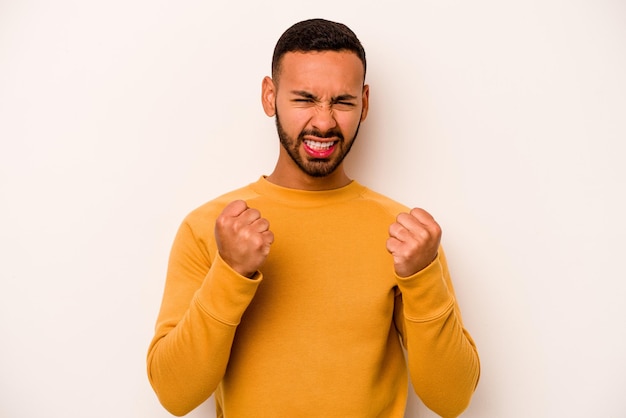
506,120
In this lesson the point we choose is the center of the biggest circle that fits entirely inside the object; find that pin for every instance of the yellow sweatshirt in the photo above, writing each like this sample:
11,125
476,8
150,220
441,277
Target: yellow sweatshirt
318,331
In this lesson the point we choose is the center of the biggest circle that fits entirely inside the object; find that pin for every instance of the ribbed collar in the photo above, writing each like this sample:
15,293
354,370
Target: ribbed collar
306,198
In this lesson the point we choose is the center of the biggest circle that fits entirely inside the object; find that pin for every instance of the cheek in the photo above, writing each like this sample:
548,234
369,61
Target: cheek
348,122
295,121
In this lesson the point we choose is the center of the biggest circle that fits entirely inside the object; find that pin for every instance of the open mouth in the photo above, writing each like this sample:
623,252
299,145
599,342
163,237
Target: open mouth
319,149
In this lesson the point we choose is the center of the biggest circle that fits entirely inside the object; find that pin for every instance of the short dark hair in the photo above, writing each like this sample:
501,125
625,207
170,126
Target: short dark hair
317,35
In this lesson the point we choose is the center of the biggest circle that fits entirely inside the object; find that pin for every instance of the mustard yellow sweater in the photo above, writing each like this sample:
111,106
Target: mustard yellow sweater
318,332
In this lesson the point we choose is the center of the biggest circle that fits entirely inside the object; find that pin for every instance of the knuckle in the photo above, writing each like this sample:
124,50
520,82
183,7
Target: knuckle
401,216
422,234
254,213
417,211
221,223
411,248
255,239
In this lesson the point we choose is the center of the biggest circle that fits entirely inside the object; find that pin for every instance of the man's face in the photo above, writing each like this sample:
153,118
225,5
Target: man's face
319,103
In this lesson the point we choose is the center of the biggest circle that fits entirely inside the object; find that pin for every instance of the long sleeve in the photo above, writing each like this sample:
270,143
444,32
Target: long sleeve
313,334
442,357
202,305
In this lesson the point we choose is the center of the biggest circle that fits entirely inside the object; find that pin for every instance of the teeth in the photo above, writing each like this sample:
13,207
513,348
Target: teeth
319,145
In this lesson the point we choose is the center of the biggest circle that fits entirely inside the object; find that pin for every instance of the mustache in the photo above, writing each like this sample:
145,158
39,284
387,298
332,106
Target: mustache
331,133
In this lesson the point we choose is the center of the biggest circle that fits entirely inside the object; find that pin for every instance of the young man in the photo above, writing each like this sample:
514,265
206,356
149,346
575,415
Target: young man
292,296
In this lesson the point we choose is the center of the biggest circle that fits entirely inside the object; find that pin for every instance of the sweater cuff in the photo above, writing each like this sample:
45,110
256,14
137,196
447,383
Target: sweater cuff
225,294
425,294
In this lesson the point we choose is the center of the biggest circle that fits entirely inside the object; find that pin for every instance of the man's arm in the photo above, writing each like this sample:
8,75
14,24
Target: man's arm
443,361
203,302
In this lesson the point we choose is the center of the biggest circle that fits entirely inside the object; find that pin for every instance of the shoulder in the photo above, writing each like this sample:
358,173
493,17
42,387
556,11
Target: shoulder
210,210
385,203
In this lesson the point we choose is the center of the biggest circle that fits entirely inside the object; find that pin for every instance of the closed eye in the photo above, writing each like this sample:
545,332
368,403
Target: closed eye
341,102
343,105
344,102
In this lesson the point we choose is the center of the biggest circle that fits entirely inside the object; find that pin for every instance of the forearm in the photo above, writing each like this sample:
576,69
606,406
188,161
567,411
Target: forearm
443,360
186,364
188,356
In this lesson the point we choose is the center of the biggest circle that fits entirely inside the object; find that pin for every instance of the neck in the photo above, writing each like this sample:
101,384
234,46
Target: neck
303,181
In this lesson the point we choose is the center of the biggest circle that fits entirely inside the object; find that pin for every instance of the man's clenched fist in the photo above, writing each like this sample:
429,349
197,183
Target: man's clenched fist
413,241
243,237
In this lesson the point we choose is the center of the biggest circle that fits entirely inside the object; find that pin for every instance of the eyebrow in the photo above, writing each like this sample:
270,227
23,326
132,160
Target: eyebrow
307,95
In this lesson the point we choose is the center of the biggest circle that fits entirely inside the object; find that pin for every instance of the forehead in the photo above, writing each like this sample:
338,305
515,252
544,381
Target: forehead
308,70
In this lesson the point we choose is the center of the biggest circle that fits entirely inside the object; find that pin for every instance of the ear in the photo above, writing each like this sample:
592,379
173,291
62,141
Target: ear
268,96
366,101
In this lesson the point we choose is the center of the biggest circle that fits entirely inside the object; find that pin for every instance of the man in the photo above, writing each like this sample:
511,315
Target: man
292,297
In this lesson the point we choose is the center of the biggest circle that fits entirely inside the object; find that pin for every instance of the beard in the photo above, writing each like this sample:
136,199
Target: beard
316,167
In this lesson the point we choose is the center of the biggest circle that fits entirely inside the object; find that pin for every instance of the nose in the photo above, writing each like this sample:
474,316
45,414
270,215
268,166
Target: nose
323,117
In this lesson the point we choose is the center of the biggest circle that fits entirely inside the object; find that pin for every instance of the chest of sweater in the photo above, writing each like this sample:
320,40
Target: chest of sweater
318,338
328,271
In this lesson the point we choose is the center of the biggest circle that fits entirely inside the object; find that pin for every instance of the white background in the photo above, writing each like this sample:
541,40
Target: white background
506,120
